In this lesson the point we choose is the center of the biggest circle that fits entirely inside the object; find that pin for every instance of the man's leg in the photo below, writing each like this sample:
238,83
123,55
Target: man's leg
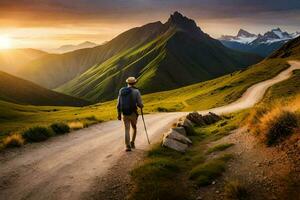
133,124
127,120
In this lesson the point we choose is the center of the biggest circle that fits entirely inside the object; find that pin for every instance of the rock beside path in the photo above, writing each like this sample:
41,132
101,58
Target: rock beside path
202,120
175,145
176,138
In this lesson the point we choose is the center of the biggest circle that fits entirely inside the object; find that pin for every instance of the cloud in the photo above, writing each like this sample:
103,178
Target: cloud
107,18
39,12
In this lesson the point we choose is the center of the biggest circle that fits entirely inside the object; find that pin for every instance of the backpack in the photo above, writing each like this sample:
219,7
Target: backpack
127,101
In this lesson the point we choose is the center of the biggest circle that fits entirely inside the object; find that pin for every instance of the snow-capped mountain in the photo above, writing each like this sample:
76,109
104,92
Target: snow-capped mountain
275,35
263,44
242,36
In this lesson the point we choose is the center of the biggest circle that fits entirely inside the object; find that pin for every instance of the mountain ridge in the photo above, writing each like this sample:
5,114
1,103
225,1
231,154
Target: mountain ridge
71,47
181,55
12,60
56,69
20,91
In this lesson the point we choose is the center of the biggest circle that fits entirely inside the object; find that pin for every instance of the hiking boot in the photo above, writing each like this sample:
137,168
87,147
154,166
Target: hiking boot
132,145
128,148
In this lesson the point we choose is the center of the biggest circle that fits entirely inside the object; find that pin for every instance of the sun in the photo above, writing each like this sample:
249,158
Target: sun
5,42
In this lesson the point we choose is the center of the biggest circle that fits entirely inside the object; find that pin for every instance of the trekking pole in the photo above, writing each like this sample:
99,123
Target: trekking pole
145,125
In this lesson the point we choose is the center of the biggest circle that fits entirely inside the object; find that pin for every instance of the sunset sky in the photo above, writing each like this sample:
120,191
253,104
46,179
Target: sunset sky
48,24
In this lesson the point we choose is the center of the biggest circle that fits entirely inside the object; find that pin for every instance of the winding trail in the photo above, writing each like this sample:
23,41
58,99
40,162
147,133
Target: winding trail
66,166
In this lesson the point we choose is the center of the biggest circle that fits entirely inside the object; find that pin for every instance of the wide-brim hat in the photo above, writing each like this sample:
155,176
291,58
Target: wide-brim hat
131,80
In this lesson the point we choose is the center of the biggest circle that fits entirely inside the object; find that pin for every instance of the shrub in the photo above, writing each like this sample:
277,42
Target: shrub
37,134
235,190
60,128
14,140
162,109
277,127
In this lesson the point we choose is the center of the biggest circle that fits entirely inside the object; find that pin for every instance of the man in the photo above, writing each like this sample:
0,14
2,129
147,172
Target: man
128,100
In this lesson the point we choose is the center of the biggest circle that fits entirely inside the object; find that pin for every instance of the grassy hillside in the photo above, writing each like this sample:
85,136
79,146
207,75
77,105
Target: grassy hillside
11,60
200,96
289,49
56,69
205,95
181,56
290,88
16,90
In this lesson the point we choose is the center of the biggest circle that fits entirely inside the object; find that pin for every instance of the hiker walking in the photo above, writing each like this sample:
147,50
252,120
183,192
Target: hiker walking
128,100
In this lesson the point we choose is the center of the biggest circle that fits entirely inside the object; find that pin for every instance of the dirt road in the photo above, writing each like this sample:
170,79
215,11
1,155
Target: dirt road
66,166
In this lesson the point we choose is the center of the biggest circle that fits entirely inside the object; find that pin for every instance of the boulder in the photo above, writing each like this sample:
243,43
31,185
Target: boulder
201,120
180,130
173,134
211,118
184,122
196,118
188,123
175,145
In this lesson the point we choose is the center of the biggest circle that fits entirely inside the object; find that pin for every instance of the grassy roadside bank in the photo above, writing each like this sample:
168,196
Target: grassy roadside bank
42,133
172,175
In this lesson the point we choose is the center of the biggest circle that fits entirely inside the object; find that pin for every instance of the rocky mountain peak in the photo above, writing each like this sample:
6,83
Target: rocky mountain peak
179,21
243,33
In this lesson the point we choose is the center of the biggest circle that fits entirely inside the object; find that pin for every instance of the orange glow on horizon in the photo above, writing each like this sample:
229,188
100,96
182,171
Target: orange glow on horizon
5,42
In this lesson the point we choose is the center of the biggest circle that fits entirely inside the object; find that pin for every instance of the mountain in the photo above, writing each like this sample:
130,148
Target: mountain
11,60
290,49
180,55
53,70
16,90
242,36
70,47
263,45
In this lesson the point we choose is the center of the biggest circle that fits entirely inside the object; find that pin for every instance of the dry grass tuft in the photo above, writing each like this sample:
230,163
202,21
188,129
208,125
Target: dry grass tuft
273,123
14,140
75,125
235,190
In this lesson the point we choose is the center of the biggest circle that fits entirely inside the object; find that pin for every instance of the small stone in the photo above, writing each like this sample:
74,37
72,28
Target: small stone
217,191
214,182
199,198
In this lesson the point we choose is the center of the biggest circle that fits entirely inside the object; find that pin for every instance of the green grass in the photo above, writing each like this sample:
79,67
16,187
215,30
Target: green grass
205,173
219,147
205,95
14,117
222,128
290,88
157,174
166,172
